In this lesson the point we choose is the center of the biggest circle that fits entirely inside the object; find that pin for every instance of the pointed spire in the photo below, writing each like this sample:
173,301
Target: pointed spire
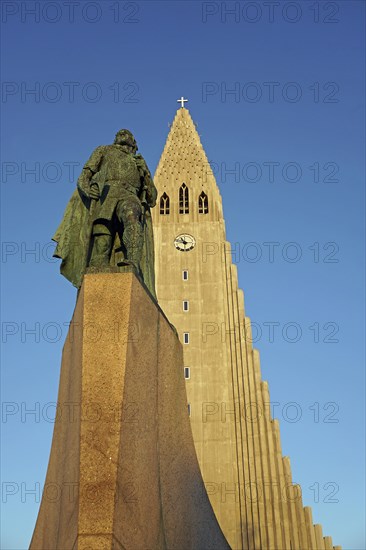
183,158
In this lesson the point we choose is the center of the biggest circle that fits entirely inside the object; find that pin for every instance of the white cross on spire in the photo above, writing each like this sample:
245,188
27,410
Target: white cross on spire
182,101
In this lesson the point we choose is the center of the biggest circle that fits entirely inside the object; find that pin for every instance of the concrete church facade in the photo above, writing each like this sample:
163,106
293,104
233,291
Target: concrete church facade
237,442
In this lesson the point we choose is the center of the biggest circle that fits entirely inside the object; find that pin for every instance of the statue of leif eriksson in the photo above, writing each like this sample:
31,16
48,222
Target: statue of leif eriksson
107,221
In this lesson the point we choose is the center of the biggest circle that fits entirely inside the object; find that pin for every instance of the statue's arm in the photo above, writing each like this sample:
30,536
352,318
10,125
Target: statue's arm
149,187
90,168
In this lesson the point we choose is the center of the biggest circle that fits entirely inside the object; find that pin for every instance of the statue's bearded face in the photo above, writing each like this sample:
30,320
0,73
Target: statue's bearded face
127,140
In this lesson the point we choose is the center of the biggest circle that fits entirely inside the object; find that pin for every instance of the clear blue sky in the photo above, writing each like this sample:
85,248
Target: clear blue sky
294,132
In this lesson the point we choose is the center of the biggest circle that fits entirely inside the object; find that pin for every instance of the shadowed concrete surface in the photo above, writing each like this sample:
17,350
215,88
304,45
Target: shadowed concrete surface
123,472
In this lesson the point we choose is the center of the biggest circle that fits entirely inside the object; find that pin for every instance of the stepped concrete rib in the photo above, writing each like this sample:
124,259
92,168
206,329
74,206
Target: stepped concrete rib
123,472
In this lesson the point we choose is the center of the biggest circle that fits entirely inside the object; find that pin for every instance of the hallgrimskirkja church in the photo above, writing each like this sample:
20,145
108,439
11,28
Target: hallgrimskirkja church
248,481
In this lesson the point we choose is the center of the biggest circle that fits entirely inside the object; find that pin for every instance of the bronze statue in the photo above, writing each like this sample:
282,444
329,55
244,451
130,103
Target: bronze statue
107,221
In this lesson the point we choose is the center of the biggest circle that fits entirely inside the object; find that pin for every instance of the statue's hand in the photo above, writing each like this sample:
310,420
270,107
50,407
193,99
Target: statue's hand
94,192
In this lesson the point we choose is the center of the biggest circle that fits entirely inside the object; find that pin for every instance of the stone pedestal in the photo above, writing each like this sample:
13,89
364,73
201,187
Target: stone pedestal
123,472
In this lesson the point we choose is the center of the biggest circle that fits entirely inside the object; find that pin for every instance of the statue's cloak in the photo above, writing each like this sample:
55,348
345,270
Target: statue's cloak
73,238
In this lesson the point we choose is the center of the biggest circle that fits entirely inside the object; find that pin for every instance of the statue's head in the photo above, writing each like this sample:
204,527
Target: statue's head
125,137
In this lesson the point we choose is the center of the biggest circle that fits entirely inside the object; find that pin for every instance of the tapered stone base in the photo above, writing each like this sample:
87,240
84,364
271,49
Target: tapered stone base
123,472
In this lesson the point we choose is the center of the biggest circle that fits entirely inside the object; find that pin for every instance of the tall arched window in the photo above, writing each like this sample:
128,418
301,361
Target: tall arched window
164,204
203,203
183,199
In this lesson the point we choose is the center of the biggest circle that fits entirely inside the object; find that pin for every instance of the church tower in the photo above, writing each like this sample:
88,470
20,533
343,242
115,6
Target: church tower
237,442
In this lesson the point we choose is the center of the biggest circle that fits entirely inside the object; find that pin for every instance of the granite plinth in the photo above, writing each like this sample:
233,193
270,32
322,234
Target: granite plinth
123,472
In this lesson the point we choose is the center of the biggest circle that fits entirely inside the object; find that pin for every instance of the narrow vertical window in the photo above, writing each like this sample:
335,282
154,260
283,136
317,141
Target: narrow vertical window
183,199
203,203
185,274
187,373
185,305
164,204
189,409
186,337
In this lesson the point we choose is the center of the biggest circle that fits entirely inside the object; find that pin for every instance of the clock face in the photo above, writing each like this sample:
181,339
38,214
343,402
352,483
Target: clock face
184,242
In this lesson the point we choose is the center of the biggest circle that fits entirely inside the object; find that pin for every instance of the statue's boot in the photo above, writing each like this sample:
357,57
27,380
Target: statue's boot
133,240
101,251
